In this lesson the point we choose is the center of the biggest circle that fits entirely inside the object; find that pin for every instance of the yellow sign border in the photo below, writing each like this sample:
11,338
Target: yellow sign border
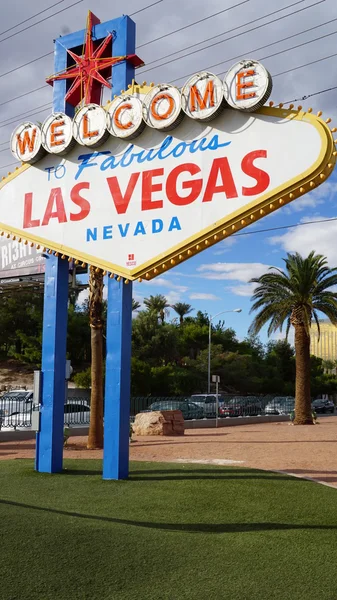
265,204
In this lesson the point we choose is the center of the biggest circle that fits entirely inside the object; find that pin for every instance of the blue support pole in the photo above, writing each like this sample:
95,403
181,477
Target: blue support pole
117,381
49,441
119,315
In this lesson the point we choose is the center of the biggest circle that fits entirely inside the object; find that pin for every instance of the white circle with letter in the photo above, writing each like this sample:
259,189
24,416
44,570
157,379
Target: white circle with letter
125,117
25,143
202,96
247,85
57,133
162,107
89,125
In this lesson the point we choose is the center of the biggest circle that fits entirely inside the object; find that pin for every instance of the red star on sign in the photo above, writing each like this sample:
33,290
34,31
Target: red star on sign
93,69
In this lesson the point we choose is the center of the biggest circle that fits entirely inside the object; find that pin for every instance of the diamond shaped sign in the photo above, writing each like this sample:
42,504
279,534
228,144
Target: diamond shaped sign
136,208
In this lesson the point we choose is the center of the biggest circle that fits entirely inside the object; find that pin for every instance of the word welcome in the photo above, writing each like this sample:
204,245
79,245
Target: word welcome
246,87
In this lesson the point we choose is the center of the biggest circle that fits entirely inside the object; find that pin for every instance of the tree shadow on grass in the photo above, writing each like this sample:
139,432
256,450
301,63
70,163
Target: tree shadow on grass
214,528
183,474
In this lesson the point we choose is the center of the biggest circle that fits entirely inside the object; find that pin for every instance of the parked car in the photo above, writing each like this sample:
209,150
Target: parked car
280,405
208,403
241,406
190,410
15,401
323,406
76,414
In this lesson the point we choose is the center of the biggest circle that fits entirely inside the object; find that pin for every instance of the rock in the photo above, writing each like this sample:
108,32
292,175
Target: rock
160,422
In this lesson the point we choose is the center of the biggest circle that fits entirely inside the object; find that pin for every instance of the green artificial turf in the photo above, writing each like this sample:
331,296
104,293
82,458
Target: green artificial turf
171,532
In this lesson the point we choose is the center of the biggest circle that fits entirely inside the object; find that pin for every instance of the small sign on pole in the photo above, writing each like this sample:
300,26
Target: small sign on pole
216,380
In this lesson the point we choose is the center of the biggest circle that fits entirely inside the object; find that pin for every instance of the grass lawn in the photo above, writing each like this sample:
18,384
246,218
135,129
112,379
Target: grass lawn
171,532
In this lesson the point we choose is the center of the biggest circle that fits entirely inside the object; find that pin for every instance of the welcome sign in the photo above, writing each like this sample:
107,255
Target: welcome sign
144,183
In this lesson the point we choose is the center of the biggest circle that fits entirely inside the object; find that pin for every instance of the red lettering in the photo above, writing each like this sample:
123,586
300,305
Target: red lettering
54,134
116,116
86,128
154,108
55,197
79,201
148,187
241,85
197,99
193,185
220,166
261,177
27,141
28,221
122,202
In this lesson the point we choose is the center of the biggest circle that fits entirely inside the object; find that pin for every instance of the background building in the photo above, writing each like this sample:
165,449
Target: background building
326,347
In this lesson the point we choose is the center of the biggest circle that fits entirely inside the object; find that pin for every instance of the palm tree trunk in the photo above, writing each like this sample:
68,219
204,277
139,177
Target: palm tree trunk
95,438
303,411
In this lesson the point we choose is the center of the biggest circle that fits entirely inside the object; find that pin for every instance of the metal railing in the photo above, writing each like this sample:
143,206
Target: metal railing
16,409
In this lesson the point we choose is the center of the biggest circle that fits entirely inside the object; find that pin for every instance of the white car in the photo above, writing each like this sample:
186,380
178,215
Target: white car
281,405
15,401
76,414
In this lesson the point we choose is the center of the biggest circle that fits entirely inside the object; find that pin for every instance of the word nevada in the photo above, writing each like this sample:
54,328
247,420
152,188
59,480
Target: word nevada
246,87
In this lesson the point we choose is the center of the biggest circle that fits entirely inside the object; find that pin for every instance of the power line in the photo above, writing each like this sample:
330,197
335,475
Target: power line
30,62
285,227
236,36
258,27
278,42
26,64
42,87
30,18
9,165
231,31
330,89
32,111
194,23
145,8
40,21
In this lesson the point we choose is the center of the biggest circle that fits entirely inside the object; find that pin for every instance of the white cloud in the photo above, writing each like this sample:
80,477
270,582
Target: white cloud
201,296
318,196
233,271
165,283
225,246
244,289
320,237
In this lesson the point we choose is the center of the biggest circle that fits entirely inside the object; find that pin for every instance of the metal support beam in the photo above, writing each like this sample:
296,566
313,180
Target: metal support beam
49,441
117,381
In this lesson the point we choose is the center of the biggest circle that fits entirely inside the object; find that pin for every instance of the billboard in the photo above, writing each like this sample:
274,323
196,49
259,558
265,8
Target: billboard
142,184
19,260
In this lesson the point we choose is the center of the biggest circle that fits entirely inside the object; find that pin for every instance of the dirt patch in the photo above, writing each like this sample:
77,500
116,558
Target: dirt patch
305,451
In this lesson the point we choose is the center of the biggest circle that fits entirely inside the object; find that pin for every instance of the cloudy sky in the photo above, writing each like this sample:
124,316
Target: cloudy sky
296,41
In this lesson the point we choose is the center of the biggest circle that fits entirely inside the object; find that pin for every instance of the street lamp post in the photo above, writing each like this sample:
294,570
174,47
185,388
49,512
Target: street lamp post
236,310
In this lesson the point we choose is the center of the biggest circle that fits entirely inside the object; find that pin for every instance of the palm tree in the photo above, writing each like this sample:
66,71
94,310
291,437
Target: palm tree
182,309
95,438
135,305
296,296
157,304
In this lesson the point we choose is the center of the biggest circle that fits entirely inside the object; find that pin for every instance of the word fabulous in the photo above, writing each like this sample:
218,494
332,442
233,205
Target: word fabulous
246,86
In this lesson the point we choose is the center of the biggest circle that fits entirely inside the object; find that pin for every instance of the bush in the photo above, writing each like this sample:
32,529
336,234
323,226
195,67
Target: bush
83,378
